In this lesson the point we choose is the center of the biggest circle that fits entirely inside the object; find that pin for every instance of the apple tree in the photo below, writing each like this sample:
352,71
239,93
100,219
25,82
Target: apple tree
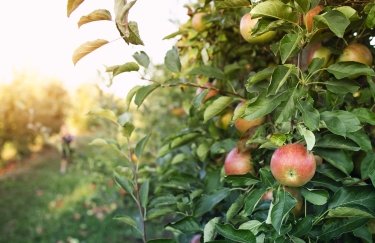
278,144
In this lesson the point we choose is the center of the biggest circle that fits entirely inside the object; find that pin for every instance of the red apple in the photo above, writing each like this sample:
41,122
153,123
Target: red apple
238,163
243,125
309,17
198,22
356,52
211,93
292,165
247,25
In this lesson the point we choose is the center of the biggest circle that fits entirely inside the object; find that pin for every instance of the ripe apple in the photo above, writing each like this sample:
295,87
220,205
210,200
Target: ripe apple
238,163
247,25
292,165
309,17
322,53
211,93
197,22
243,125
356,52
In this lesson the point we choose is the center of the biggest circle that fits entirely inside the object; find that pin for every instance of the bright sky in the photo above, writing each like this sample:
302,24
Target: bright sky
37,35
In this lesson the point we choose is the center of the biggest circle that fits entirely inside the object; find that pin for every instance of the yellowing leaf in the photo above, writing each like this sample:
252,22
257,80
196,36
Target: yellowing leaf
87,48
96,15
72,5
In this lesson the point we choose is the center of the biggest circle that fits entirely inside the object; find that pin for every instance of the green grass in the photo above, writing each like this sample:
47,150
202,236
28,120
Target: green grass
41,205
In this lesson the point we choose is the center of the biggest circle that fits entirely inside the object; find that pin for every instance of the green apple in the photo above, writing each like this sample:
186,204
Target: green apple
247,25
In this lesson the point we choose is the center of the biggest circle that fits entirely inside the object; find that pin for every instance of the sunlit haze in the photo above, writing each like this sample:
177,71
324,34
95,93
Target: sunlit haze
37,36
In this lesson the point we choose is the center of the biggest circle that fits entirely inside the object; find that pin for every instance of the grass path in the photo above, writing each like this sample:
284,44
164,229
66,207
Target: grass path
38,204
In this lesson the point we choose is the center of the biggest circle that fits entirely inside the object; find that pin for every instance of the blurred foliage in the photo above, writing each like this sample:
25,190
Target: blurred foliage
32,108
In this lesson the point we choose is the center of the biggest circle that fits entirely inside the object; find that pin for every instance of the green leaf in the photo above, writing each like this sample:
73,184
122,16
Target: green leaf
363,233
289,108
222,146
209,229
143,193
264,105
129,221
252,225
208,71
266,177
172,60
177,141
274,9
160,212
252,199
337,158
96,15
364,115
142,58
289,46
127,129
362,139
315,196
104,113
260,76
186,225
221,4
217,107
143,92
315,65
334,228
310,115
362,196
235,208
131,94
133,36
208,202
303,226
308,136
141,145
348,212
349,12
241,180
127,67
303,5
341,87
237,235
368,165
124,183
370,20
282,205
279,77
341,122
336,142
350,70
335,21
